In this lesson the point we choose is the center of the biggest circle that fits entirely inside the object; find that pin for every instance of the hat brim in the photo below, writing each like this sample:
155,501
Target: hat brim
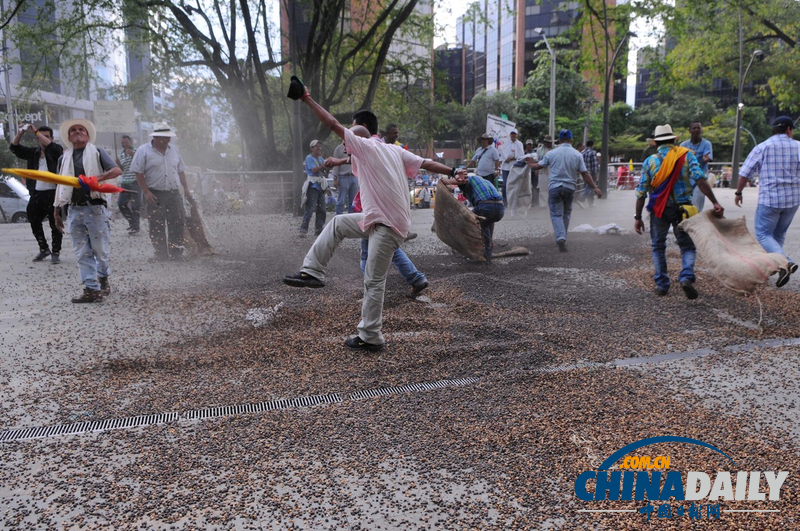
665,137
67,124
170,134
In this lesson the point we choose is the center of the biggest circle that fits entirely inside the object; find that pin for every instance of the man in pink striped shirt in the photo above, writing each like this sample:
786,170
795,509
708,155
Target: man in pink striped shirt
383,171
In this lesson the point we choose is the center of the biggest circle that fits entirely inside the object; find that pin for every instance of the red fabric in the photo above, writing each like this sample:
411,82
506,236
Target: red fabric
661,202
104,188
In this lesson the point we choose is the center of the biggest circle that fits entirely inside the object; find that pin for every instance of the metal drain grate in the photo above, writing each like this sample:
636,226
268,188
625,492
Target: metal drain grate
41,432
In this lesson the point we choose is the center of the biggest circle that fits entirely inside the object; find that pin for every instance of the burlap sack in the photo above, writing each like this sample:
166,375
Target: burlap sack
456,225
518,191
732,253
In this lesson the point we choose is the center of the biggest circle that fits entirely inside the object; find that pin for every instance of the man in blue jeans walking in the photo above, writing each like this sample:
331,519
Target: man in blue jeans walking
669,177
777,163
565,163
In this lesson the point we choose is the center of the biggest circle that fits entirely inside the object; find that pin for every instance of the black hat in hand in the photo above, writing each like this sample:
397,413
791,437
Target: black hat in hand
296,88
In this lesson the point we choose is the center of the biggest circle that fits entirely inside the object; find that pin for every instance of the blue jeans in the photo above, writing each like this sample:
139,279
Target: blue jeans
315,202
91,242
659,228
505,180
401,262
771,226
560,202
492,213
348,187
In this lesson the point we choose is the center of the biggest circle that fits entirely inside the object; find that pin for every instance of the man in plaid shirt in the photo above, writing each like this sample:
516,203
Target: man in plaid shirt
777,163
590,159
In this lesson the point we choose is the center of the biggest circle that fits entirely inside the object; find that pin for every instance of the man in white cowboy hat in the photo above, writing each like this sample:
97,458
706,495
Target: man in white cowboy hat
486,159
87,220
669,177
159,171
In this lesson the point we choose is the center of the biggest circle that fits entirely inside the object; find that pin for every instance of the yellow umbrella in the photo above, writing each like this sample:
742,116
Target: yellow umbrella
54,178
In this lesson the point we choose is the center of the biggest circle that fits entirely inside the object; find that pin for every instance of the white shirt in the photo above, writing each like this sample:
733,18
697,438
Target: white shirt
41,185
511,149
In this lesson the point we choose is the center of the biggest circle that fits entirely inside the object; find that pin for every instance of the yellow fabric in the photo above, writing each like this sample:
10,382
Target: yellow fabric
688,211
667,165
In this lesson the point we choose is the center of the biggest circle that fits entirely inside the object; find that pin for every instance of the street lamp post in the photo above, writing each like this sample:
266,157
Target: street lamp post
737,136
552,125
603,184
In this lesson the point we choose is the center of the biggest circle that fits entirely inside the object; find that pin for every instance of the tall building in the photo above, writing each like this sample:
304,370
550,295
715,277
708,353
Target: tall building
500,42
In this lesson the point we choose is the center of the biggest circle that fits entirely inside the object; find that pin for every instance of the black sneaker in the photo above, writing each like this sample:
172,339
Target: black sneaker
105,287
792,268
356,343
42,255
562,246
689,289
89,295
133,232
418,286
55,258
303,280
661,292
783,278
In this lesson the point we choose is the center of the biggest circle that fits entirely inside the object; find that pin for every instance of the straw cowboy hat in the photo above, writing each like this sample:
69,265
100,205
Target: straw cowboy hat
664,132
162,129
67,124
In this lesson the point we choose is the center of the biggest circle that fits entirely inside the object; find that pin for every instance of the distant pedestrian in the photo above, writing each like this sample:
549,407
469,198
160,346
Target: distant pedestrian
130,204
487,203
424,196
564,164
669,177
42,195
486,159
314,190
703,151
590,160
87,214
776,162
509,153
160,173
344,181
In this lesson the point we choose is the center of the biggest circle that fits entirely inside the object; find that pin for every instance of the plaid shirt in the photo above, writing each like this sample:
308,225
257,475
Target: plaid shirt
590,159
478,189
682,192
777,162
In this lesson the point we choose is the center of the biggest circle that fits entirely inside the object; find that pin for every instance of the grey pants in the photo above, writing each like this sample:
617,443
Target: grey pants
383,241
167,220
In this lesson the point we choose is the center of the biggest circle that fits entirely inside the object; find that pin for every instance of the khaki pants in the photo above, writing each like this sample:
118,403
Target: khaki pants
383,242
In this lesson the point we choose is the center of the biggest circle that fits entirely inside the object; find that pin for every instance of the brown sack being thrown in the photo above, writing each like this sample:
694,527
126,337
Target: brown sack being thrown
456,225
735,257
194,226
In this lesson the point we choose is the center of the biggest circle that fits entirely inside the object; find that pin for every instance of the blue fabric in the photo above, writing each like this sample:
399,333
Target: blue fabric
401,262
659,228
771,225
478,189
565,163
560,202
492,213
312,162
91,242
505,180
315,202
777,163
348,188
682,192
590,160
700,151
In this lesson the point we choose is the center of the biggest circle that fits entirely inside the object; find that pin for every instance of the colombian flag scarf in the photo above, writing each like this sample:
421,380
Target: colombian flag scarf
664,181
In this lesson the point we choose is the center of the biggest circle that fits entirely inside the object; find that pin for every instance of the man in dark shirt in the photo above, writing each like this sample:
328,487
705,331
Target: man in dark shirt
87,219
40,206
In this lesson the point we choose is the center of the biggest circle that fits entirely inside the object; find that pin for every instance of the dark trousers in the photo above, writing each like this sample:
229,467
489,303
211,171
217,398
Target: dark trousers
167,219
40,206
130,204
492,213
315,204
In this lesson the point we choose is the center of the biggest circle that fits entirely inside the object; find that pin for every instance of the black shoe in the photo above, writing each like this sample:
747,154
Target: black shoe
105,287
55,258
783,278
661,292
689,289
792,268
133,232
562,246
41,256
417,287
89,295
356,343
303,280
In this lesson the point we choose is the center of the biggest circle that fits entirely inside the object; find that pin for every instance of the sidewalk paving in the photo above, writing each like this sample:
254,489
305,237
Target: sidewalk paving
534,340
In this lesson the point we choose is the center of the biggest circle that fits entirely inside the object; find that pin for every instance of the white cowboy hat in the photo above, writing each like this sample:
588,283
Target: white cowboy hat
162,129
67,124
664,132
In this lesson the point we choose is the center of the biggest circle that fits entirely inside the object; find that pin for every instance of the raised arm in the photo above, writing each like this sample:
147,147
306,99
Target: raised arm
324,116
